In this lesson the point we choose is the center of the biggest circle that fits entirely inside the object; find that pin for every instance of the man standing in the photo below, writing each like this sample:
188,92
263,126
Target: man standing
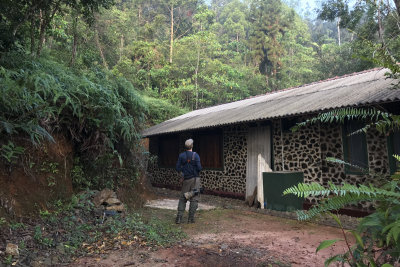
189,165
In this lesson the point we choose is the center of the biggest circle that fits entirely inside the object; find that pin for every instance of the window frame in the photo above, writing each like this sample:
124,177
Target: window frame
345,138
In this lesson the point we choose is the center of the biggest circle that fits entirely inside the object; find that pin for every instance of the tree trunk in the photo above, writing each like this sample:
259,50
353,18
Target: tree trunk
172,33
137,32
196,77
42,33
51,39
237,42
139,14
338,30
75,41
45,18
380,25
266,79
32,33
97,40
121,47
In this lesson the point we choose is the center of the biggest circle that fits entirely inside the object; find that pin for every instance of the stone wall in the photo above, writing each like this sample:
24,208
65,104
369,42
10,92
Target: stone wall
297,151
305,150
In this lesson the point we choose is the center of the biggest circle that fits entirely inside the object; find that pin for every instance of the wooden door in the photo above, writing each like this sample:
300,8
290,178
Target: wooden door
258,159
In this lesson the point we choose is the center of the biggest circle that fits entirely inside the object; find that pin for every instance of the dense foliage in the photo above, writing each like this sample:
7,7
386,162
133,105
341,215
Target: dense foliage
96,110
196,55
41,96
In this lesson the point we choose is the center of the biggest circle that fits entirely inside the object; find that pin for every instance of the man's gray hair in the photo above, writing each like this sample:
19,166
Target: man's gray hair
189,144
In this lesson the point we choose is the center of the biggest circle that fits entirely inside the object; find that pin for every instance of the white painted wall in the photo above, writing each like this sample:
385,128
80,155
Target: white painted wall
258,159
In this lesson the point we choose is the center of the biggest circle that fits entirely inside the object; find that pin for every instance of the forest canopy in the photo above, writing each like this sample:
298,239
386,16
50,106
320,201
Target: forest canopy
195,54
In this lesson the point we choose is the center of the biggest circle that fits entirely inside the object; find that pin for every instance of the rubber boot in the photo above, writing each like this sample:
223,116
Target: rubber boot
181,209
192,210
178,219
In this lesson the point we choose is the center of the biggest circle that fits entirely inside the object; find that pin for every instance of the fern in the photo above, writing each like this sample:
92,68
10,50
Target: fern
41,95
337,197
10,152
378,119
95,109
315,189
380,230
393,232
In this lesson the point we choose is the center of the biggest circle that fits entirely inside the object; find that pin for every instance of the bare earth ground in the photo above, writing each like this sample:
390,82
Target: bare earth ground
231,237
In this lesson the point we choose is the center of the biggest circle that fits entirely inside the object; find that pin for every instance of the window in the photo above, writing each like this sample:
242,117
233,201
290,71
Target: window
209,147
354,147
168,150
394,149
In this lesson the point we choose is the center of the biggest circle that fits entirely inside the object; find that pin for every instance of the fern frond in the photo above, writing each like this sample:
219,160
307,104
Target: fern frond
8,127
382,121
307,190
339,161
340,115
333,204
315,189
393,232
337,197
42,94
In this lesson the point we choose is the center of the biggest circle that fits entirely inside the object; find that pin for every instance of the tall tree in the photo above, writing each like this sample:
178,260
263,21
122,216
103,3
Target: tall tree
234,23
299,60
269,24
180,18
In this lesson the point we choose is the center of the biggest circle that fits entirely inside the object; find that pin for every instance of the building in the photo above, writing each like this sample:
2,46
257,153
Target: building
229,137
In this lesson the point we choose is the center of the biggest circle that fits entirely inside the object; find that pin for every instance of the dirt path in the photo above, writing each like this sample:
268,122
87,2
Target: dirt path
229,237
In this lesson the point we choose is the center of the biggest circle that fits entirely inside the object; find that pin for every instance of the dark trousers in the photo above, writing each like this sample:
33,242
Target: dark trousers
187,186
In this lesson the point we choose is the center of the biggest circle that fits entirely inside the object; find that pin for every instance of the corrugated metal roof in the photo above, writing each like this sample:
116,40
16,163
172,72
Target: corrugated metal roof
357,89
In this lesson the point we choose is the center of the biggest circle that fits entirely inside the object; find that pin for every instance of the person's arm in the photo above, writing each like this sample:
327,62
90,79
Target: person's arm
178,167
198,164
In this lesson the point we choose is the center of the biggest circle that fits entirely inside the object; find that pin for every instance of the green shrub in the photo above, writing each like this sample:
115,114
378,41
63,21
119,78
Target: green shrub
101,114
160,110
41,96
10,152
